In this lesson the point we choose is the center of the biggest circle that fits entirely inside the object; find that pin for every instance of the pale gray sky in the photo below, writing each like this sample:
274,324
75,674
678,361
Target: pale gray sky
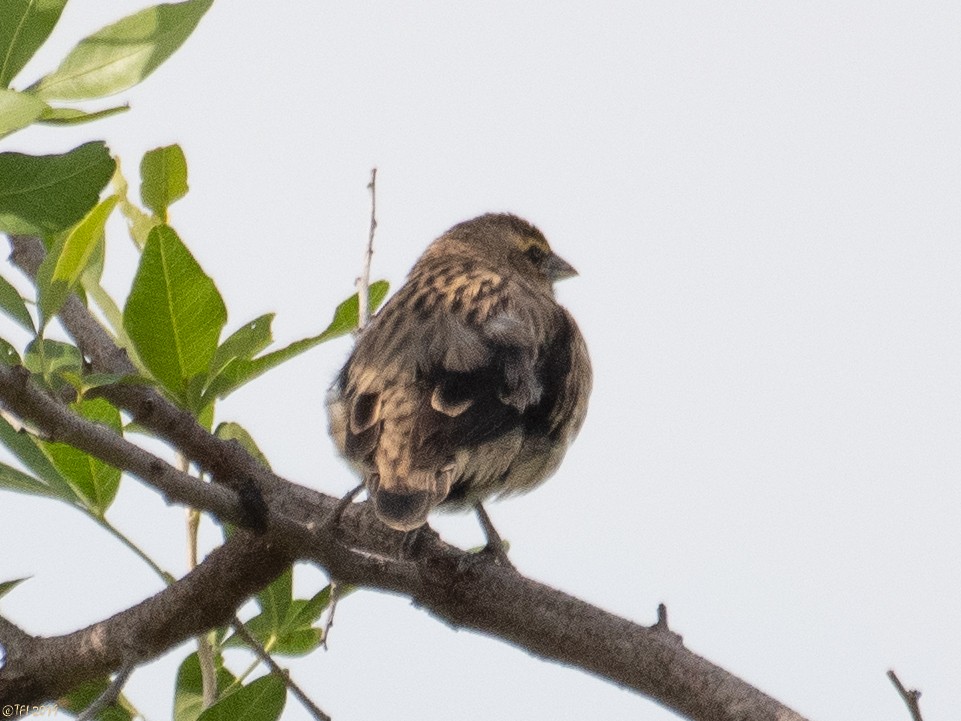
762,200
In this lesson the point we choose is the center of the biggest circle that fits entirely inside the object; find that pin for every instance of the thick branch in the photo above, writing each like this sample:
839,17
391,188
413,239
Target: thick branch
38,669
27,401
460,588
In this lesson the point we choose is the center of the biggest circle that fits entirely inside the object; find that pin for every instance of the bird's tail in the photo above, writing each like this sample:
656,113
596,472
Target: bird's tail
403,502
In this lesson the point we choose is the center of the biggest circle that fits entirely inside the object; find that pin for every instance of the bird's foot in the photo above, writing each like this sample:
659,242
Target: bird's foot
416,541
496,548
332,523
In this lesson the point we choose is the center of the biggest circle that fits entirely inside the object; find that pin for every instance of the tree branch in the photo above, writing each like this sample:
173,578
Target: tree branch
38,669
911,698
463,589
25,400
458,587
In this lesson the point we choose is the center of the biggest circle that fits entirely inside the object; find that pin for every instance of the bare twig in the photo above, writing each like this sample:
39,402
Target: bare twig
205,650
109,696
661,624
363,282
264,656
329,623
911,698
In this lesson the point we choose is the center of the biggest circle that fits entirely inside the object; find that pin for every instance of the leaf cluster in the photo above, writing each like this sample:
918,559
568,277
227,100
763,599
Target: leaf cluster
171,323
113,59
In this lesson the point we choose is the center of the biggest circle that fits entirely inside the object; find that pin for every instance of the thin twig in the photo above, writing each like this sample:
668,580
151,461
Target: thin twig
661,624
261,652
205,650
334,597
363,282
910,698
109,696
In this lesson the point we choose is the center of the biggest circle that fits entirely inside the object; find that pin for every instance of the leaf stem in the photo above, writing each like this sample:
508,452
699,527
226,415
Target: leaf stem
116,533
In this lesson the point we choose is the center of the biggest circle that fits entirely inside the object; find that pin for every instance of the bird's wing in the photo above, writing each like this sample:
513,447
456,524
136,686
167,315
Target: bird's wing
480,353
483,359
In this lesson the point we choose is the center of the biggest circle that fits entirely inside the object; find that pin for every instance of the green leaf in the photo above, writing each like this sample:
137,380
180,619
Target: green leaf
27,450
205,416
288,641
290,634
111,312
243,371
174,313
234,431
346,316
60,270
274,600
55,365
120,55
76,116
298,642
139,223
163,178
260,700
94,266
297,635
8,586
303,613
189,693
42,194
18,110
13,480
11,303
24,26
93,480
97,380
8,354
244,343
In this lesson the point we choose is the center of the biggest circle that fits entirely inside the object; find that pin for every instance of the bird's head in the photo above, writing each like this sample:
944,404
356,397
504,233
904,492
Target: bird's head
505,240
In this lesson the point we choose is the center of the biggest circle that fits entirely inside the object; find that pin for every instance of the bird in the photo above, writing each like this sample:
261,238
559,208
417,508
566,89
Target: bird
470,383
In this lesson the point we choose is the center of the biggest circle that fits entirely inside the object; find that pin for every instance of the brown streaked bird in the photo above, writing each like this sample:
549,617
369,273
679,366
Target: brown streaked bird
471,382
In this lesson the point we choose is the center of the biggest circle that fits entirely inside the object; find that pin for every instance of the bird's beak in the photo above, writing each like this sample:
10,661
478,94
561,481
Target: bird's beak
556,268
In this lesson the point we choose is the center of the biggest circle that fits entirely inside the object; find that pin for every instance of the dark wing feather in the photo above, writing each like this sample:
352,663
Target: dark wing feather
520,360
566,377
363,425
485,361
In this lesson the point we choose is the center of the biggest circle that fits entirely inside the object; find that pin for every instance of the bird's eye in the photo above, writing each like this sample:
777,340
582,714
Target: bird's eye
536,254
